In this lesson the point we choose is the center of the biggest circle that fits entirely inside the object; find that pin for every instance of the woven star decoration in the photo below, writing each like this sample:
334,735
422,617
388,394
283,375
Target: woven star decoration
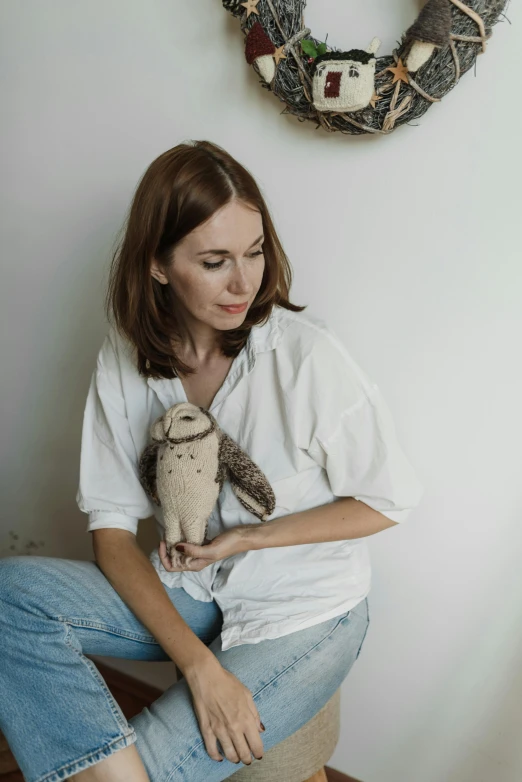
279,54
250,6
400,72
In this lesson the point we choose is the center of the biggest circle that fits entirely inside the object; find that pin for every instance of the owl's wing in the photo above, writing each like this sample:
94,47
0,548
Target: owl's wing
250,484
147,471
221,473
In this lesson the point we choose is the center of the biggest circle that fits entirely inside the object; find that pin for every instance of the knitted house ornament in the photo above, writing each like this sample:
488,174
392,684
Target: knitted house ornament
344,81
357,94
431,30
260,50
183,471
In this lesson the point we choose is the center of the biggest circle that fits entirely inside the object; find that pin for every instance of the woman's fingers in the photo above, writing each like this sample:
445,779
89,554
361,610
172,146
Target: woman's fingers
255,714
234,746
241,742
252,730
248,743
242,749
237,747
164,557
174,563
254,741
180,562
227,745
211,744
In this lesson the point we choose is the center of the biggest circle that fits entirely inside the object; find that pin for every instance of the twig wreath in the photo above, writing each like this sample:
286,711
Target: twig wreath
355,91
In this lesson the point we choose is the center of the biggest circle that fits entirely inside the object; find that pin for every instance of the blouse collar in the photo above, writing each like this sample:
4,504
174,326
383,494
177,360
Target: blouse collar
262,337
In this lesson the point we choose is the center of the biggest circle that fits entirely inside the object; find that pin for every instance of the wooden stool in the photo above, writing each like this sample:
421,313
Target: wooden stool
302,756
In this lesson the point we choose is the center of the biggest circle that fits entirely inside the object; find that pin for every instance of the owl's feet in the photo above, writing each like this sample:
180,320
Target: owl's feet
176,557
179,560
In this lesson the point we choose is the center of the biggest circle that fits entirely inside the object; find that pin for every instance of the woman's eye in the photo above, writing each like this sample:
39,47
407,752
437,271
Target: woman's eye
213,265
219,264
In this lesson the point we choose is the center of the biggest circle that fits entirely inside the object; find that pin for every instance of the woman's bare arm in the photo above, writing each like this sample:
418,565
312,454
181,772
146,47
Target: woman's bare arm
344,519
134,578
224,707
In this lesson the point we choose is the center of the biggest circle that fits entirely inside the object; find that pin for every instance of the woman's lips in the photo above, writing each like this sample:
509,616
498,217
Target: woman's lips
235,308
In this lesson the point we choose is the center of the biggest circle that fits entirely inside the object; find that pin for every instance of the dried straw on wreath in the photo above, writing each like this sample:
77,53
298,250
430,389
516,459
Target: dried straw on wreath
395,102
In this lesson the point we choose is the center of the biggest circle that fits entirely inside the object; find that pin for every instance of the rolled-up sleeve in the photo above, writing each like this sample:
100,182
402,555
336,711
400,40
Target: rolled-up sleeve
364,460
344,423
109,488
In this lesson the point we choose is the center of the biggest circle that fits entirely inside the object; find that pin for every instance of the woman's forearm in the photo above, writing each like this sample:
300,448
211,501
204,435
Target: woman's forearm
134,578
343,519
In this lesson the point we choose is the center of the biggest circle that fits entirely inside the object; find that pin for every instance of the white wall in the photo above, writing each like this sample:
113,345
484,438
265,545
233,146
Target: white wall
408,245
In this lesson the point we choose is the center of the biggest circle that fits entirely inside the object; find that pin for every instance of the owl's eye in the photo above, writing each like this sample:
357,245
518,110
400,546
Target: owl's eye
187,417
353,71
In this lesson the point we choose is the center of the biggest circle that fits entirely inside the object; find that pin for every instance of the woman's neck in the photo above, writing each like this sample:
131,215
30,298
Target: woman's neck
199,343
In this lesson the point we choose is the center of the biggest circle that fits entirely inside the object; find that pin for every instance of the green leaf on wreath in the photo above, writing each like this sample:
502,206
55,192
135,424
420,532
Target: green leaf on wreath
321,49
308,47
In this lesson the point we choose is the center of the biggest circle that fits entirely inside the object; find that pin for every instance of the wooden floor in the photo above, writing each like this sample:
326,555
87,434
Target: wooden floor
132,696
331,776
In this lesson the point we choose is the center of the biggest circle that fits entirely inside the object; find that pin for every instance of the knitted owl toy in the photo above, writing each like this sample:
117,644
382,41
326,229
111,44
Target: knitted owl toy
183,471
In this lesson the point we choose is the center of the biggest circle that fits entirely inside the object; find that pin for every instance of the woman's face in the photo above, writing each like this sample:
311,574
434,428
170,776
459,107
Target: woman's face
219,264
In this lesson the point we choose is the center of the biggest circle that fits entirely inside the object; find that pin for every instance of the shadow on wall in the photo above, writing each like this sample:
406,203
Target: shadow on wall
13,545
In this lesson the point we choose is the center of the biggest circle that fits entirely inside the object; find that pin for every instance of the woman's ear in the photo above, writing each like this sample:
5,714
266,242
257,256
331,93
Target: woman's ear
157,273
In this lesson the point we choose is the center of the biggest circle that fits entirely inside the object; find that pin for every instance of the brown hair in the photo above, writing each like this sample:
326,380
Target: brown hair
181,189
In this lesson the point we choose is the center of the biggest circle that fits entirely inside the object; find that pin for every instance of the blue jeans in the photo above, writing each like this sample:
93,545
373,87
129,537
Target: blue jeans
58,715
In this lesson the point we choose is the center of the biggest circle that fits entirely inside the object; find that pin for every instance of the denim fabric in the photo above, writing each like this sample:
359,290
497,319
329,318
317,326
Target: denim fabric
59,716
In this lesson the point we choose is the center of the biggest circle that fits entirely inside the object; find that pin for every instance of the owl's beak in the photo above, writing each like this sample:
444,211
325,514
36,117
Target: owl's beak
184,417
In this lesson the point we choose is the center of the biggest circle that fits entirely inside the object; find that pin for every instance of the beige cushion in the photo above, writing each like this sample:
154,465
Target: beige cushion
303,753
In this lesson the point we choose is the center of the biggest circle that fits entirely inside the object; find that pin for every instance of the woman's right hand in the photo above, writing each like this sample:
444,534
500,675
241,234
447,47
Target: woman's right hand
226,711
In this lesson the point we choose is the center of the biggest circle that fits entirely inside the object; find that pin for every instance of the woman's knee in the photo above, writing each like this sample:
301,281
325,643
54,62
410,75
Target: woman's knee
14,573
24,580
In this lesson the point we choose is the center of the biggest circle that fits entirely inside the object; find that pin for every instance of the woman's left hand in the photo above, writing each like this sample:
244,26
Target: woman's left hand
192,557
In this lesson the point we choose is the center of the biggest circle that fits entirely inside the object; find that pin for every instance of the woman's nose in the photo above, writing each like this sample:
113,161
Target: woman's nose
239,282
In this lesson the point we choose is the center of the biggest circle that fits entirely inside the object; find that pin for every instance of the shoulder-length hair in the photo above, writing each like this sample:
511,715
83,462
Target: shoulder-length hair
181,189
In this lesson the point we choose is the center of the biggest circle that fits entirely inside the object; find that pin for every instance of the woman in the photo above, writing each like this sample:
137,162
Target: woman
266,619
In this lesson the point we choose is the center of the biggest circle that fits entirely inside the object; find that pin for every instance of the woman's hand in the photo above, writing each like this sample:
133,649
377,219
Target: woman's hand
226,712
192,557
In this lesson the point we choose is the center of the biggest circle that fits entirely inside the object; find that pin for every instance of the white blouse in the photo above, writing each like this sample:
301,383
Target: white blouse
311,419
